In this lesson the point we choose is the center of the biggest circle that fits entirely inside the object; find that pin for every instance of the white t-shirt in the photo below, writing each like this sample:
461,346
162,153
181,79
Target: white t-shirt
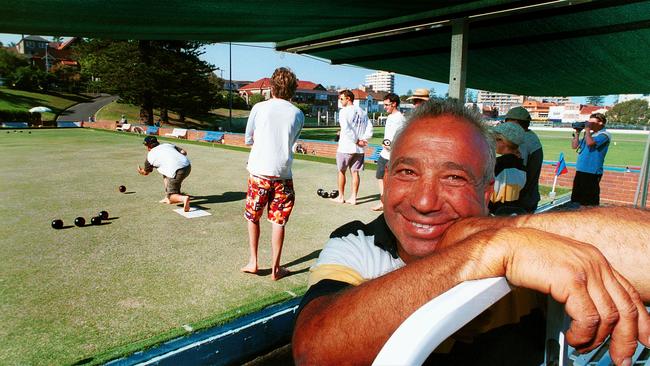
167,159
273,127
354,126
393,123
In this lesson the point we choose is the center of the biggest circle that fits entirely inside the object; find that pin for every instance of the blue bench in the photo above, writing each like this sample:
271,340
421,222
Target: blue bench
152,130
67,124
212,136
15,124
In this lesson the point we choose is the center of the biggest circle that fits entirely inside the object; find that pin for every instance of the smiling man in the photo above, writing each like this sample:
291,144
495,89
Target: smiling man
433,235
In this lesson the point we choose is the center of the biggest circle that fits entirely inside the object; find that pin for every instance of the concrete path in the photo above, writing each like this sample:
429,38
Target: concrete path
83,111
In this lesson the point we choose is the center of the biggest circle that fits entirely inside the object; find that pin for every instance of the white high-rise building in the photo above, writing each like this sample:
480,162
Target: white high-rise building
556,100
381,81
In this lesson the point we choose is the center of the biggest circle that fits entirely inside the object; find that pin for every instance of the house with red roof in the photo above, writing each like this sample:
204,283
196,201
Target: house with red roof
588,110
307,92
48,55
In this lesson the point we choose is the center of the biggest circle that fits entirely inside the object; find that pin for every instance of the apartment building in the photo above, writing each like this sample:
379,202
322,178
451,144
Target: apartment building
501,101
381,81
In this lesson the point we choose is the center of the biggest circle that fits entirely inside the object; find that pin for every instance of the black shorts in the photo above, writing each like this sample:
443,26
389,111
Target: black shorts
586,189
381,167
174,184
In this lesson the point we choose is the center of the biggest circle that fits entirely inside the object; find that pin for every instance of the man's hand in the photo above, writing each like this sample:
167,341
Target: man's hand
141,171
362,143
598,299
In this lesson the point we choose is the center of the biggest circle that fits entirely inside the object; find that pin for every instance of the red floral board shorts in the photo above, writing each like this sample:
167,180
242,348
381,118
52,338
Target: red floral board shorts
278,195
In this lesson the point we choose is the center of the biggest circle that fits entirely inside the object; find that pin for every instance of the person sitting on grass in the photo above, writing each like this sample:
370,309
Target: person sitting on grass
509,171
173,164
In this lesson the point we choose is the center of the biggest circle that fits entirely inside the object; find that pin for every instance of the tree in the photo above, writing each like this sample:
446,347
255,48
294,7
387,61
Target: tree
432,92
254,99
470,96
10,61
152,74
633,111
595,100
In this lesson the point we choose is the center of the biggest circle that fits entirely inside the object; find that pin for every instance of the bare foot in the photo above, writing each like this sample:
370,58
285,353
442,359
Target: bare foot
249,268
351,200
164,200
378,208
186,203
281,272
337,200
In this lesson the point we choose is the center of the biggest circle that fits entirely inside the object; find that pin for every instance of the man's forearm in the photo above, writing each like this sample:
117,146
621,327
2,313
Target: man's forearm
621,234
352,326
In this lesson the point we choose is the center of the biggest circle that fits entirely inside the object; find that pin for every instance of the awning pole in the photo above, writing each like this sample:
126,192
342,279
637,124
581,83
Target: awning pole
642,184
458,59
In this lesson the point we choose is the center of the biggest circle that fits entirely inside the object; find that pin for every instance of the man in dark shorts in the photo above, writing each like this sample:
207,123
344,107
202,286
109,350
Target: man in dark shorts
394,122
173,164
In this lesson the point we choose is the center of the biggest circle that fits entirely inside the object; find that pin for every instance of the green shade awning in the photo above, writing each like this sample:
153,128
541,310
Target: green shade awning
579,47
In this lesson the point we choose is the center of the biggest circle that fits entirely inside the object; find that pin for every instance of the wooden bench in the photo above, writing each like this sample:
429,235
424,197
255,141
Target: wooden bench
179,133
126,127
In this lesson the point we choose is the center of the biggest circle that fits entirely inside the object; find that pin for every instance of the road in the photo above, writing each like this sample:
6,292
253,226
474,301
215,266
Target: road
82,111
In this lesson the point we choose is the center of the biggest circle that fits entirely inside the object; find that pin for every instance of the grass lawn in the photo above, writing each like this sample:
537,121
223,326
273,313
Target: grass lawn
626,149
97,292
20,100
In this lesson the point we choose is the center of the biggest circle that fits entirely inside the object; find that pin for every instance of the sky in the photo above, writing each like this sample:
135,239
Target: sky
255,61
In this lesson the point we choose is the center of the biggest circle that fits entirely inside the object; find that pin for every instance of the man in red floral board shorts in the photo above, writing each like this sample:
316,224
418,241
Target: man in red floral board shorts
273,127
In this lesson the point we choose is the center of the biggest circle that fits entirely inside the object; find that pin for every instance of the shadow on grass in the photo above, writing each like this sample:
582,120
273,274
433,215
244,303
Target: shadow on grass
197,201
305,258
370,198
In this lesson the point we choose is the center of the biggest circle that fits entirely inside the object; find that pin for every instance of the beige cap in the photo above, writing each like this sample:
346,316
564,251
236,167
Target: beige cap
420,93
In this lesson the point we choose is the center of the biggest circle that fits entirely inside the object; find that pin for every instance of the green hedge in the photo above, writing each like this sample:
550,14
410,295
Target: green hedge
19,116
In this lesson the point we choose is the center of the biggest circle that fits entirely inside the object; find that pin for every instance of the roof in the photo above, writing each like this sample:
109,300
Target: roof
359,94
525,47
36,38
589,109
265,83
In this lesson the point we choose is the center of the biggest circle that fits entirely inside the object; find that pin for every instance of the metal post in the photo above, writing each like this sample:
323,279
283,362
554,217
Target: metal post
642,184
230,85
458,59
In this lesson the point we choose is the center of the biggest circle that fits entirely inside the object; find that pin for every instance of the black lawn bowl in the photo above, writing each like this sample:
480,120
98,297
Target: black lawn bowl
320,192
57,224
103,215
29,132
122,189
334,193
325,195
80,221
96,220
386,142
21,131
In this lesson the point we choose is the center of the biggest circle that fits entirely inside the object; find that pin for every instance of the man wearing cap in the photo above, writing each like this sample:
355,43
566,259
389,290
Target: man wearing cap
420,96
532,154
509,171
173,164
591,157
354,135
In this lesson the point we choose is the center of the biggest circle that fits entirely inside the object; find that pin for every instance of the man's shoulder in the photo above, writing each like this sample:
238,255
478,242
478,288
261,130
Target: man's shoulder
378,229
